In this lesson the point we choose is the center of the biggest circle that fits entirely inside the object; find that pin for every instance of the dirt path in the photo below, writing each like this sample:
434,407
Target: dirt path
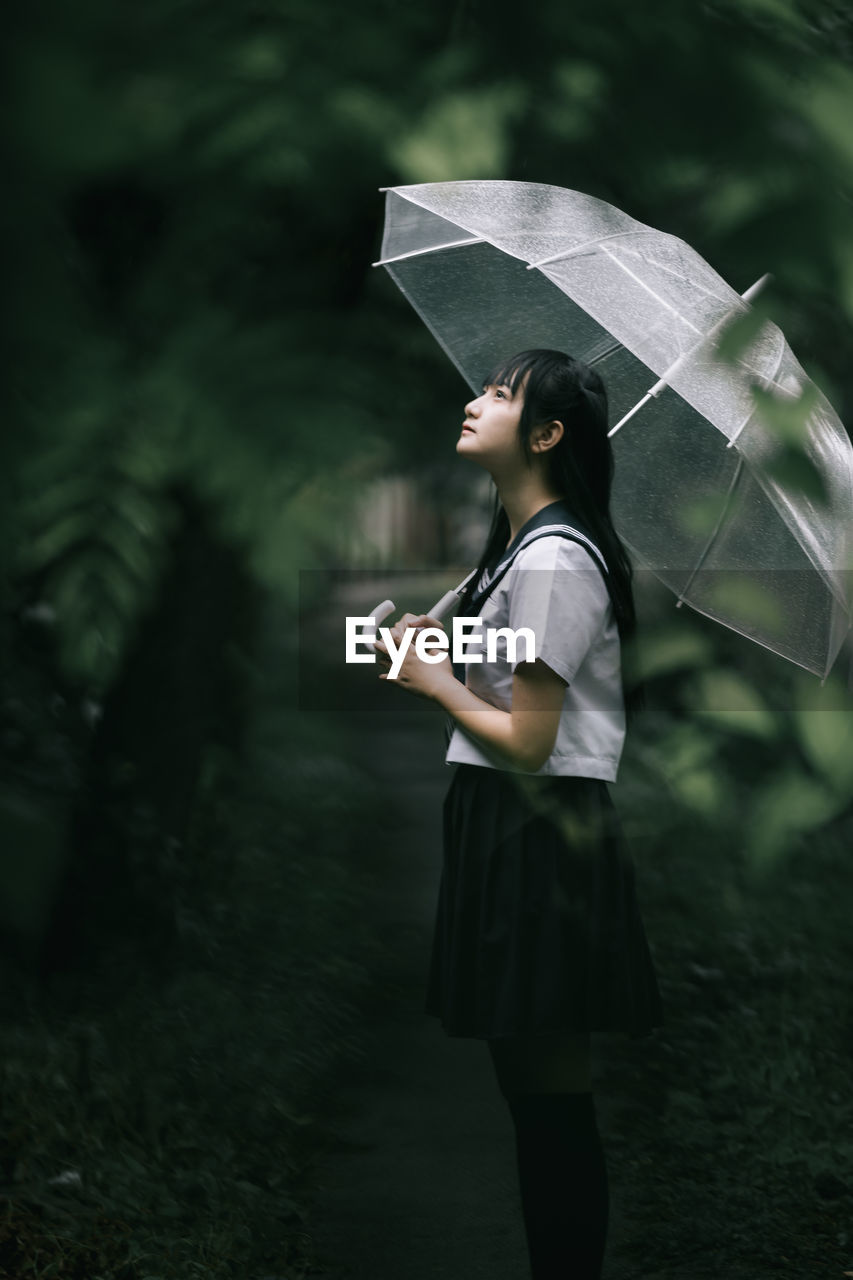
414,1177
417,1179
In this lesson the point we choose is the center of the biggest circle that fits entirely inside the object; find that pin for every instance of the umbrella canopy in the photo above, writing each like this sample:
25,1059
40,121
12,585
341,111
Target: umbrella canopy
699,495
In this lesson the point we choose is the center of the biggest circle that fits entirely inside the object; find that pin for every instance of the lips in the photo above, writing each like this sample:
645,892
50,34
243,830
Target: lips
465,428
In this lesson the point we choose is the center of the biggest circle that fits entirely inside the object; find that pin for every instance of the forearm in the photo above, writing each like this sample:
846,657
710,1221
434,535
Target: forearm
493,728
519,739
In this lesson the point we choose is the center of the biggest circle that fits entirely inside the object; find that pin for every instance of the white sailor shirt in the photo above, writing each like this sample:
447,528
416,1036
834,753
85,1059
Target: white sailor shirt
555,587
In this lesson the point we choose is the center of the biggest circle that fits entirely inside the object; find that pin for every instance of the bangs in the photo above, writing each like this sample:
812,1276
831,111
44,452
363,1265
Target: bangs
538,362
511,372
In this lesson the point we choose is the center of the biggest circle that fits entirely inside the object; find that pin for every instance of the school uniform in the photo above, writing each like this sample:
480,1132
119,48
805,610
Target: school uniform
538,927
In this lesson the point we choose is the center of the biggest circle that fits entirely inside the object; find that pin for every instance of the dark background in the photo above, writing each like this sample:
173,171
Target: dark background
206,389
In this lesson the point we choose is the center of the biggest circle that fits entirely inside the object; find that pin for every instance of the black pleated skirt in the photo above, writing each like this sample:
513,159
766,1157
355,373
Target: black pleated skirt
537,927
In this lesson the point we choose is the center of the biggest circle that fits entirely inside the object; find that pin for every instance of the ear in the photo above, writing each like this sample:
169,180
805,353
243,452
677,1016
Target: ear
546,436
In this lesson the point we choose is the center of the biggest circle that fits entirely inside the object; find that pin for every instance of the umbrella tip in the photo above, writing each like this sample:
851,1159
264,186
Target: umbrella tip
754,289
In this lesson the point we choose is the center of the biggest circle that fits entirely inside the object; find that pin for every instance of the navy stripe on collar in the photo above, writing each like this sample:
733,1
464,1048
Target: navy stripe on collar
562,530
490,578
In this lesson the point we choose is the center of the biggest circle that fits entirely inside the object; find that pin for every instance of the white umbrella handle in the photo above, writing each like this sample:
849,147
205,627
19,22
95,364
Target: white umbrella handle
448,601
379,614
438,611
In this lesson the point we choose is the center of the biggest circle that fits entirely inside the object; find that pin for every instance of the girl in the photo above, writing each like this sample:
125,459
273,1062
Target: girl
538,936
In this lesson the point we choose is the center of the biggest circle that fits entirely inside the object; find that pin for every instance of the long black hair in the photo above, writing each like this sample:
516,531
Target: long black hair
564,389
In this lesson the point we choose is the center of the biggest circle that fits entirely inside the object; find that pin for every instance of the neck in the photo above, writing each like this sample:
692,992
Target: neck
522,496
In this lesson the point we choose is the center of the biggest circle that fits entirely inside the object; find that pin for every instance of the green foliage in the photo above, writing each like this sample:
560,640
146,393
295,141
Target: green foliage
789,805
750,1066
724,699
826,738
194,199
95,535
463,134
159,1120
668,649
191,207
763,770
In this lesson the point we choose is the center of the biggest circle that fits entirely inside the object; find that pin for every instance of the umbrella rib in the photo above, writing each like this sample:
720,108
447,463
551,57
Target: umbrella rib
594,356
654,295
716,529
580,249
432,248
587,244
665,378
733,626
769,380
676,275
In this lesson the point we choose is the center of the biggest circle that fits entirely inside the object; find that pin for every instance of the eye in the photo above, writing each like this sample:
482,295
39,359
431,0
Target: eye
501,394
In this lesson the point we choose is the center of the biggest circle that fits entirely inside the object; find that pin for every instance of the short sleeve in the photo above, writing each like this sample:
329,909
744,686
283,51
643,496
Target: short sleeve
556,589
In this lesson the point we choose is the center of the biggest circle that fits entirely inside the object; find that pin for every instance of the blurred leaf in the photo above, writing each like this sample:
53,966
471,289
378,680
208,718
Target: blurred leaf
699,516
579,88
462,135
794,469
738,594
373,113
739,332
94,524
782,13
685,747
826,737
701,790
663,651
787,807
844,266
787,413
686,758
581,81
262,57
827,101
729,702
249,129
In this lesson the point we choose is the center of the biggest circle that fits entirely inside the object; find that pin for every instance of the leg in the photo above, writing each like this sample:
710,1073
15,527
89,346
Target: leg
542,1064
561,1168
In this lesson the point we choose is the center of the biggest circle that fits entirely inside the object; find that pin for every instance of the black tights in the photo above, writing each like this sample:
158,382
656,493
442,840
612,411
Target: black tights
561,1168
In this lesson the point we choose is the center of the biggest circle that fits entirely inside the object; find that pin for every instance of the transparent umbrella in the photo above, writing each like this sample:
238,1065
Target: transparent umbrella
734,478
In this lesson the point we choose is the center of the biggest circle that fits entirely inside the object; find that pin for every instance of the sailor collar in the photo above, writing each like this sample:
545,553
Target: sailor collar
554,520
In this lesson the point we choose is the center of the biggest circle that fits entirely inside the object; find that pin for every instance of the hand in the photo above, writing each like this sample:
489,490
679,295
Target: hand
414,675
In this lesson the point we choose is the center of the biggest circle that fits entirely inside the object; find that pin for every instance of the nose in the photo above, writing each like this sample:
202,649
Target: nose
472,407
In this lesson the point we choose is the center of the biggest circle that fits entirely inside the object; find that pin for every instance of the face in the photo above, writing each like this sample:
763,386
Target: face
490,430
